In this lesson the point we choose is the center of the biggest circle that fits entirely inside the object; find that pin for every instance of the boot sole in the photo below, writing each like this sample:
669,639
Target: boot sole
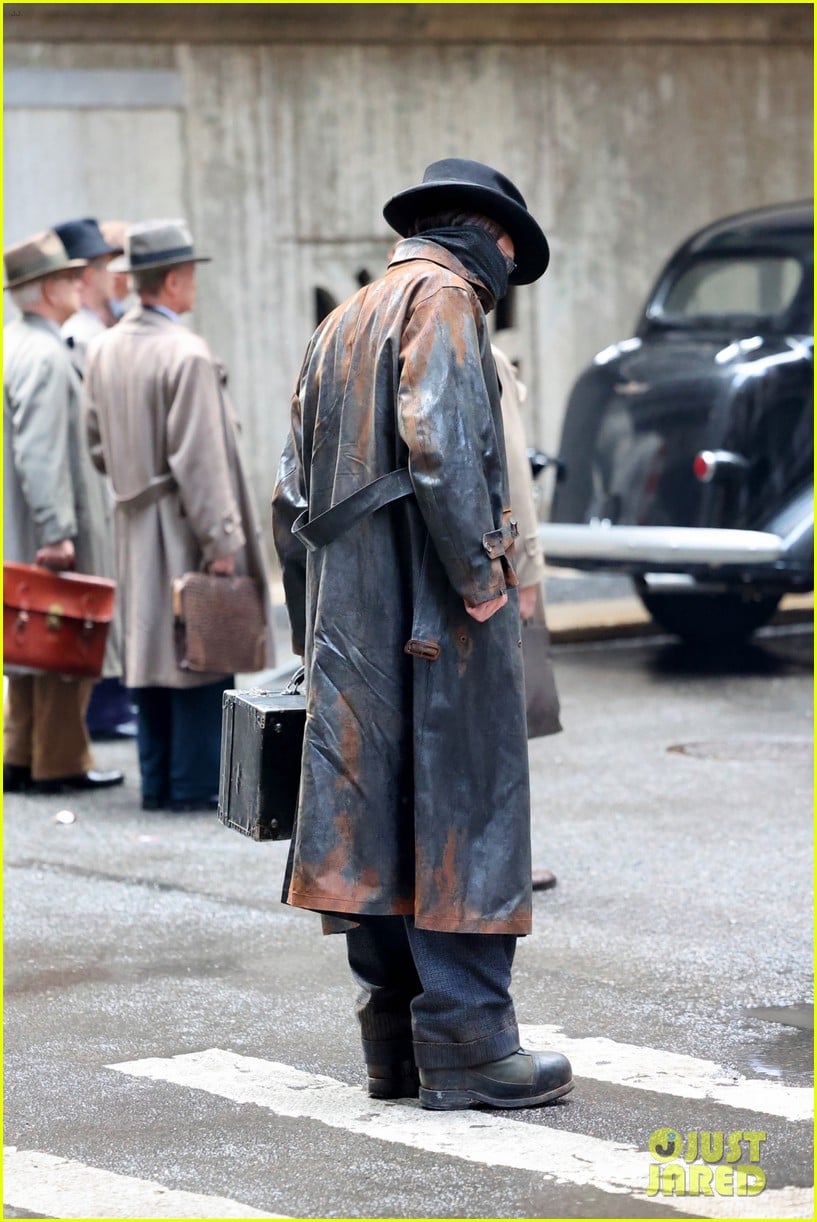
453,1100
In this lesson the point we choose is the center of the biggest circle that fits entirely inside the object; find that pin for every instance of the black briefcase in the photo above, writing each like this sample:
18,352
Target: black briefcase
262,736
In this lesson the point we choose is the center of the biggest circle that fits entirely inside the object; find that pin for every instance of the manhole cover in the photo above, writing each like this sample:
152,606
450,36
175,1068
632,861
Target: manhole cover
747,750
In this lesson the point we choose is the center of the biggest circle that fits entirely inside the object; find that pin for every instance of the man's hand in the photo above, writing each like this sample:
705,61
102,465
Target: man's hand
222,566
484,611
57,555
527,601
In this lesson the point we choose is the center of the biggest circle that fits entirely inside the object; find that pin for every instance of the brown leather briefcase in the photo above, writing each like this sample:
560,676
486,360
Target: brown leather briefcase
219,624
55,621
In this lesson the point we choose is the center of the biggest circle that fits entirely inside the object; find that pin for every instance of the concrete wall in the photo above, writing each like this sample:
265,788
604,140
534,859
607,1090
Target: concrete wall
279,134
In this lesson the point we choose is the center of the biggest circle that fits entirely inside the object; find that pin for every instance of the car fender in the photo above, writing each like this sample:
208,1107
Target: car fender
794,524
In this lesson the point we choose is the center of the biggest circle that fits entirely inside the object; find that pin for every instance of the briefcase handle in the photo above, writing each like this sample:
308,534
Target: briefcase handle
295,682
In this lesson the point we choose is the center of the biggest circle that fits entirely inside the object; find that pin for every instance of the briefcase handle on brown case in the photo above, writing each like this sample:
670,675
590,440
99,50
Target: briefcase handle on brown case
55,621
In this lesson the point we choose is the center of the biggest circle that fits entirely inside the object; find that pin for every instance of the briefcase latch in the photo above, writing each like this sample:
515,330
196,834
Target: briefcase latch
53,618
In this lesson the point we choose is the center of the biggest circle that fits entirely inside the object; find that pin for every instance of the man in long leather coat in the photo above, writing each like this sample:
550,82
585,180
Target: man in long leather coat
392,524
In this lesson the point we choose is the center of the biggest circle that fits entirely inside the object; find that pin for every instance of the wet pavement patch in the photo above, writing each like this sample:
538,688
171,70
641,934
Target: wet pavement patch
800,1015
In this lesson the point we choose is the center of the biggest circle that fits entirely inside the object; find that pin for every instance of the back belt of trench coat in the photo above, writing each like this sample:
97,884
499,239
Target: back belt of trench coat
158,487
334,522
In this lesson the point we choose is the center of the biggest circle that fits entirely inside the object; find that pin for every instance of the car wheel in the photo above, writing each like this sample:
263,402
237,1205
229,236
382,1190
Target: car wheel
697,616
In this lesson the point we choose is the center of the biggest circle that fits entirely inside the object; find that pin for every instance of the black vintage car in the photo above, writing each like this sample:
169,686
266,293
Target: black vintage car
687,451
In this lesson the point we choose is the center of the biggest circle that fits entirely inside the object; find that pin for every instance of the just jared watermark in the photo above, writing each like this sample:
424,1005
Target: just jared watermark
706,1163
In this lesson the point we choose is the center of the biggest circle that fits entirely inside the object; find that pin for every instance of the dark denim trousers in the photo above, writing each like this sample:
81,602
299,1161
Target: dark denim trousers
111,706
180,740
442,998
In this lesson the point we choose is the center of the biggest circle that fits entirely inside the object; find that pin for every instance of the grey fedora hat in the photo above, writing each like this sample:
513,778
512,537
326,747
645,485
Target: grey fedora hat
472,186
36,257
152,244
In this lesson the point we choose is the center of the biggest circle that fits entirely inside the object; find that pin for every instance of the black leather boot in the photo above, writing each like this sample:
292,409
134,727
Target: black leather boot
523,1079
398,1080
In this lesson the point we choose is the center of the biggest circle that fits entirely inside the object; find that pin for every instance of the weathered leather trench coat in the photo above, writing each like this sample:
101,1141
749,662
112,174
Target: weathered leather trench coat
414,794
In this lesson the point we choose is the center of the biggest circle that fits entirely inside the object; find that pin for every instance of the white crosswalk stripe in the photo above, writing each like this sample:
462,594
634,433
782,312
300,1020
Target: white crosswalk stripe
565,1157
670,1073
61,1188
44,1183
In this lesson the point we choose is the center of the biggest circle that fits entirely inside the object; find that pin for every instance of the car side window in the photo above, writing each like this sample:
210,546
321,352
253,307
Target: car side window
758,284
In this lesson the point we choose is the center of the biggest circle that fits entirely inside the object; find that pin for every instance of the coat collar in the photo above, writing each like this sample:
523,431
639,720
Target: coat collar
42,324
419,248
141,316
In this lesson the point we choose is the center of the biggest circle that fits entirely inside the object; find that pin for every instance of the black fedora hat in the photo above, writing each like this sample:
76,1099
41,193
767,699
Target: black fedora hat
456,182
83,239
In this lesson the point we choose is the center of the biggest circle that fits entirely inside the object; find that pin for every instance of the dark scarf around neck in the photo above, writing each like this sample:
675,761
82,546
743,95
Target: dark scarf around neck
478,253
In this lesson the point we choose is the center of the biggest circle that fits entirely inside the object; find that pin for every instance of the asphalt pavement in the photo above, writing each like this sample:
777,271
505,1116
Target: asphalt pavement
180,1044
580,607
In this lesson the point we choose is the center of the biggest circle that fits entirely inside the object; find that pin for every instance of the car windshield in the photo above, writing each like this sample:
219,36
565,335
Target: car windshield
723,289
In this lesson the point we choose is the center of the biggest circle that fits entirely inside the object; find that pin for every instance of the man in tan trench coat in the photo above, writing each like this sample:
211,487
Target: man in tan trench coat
529,563
54,510
160,423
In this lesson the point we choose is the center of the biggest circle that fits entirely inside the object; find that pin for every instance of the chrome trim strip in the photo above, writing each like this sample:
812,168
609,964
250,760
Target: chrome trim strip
660,544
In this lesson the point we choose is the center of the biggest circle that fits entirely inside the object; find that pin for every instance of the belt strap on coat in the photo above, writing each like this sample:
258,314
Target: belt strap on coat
334,522
498,542
158,487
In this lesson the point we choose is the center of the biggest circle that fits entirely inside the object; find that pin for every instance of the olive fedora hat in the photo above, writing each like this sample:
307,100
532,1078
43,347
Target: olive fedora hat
150,244
36,257
472,186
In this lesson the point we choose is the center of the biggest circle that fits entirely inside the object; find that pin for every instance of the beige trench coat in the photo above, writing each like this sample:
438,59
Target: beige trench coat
528,559
51,490
543,700
78,332
157,410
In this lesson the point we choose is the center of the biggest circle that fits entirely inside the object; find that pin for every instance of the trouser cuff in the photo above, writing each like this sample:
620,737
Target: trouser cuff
387,1052
437,1055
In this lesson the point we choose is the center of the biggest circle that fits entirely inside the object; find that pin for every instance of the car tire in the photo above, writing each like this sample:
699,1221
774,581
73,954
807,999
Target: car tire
699,617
